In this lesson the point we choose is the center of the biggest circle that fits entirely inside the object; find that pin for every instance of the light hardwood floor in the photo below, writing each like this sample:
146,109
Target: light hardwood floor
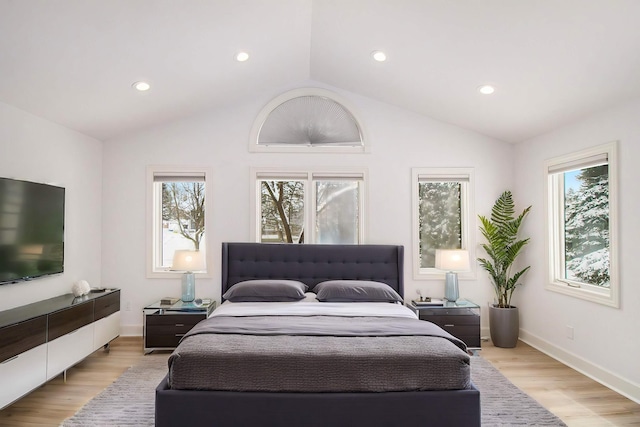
56,400
576,399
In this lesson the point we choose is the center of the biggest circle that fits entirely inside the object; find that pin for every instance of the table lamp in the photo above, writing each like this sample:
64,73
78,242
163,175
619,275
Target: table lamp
188,261
452,260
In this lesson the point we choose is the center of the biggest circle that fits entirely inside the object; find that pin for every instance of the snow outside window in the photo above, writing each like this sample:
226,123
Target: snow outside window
309,207
441,211
177,208
581,199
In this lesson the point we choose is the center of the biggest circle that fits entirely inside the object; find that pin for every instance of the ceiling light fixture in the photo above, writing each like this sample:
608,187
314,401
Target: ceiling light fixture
141,86
486,89
379,55
242,56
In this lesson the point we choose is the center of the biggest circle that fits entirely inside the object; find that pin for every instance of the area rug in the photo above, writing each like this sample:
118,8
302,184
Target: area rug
129,401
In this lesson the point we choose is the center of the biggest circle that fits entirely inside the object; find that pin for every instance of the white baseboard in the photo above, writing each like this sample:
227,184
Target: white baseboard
131,330
484,332
603,376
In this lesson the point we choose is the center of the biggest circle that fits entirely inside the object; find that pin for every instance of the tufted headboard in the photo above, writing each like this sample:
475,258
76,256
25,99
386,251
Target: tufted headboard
312,264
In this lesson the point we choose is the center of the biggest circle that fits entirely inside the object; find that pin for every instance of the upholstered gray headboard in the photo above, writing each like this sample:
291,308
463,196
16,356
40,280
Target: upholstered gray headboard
312,264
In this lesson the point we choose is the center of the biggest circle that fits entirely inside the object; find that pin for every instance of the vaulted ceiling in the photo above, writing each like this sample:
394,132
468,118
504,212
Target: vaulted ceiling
551,61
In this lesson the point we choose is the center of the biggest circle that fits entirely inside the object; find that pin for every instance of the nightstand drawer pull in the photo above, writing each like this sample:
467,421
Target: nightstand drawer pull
180,335
179,324
450,325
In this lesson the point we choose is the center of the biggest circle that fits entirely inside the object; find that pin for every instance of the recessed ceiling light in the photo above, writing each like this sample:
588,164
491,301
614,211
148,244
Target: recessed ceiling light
141,86
379,55
242,56
486,89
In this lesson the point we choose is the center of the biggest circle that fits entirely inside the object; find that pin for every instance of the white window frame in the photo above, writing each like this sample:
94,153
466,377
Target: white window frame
467,212
308,175
554,198
296,93
154,218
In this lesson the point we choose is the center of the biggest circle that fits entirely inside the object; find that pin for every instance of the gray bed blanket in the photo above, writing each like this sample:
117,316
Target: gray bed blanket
322,326
318,354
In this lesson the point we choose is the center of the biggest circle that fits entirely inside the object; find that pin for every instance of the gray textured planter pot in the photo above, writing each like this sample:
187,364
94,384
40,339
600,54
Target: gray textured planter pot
504,325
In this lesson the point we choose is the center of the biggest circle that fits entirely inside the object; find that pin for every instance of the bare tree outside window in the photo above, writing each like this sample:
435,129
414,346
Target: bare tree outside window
282,206
183,210
333,214
183,203
177,209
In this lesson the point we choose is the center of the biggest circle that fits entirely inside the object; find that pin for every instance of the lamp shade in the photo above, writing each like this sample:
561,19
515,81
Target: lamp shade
186,260
452,259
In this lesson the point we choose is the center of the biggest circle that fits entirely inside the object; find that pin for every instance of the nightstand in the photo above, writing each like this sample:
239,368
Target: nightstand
166,324
461,319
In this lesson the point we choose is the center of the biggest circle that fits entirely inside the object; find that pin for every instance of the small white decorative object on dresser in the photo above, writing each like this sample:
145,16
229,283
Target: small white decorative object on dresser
81,287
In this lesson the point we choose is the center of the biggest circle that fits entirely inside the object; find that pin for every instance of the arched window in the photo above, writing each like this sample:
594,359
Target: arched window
307,120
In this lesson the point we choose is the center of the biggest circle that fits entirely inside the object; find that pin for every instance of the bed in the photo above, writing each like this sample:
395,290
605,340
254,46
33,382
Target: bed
335,372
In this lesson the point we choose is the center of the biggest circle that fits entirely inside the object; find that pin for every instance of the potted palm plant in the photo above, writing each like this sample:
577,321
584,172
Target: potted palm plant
502,248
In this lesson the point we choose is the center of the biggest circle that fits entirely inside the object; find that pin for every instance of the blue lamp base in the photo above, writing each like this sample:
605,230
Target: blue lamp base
451,292
188,286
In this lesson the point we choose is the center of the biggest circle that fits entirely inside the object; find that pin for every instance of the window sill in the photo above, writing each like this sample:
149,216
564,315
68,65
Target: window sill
603,297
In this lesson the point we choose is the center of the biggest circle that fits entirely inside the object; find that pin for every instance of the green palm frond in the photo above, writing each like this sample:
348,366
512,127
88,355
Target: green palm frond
503,246
513,282
503,209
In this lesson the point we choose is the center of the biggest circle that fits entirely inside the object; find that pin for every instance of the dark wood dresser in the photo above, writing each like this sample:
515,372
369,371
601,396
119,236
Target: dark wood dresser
41,340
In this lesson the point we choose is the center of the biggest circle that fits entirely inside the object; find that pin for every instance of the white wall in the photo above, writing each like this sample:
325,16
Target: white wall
37,150
605,343
219,139
105,224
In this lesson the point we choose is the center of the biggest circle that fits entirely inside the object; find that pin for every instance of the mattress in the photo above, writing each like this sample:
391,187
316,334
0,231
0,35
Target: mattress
316,347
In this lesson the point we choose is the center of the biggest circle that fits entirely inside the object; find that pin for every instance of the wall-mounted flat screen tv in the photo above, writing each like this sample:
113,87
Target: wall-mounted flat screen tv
31,230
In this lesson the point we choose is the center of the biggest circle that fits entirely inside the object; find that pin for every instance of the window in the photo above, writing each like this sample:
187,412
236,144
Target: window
442,209
288,204
308,120
177,199
581,224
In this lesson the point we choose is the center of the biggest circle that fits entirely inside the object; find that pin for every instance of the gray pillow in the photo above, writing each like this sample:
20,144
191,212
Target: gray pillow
271,290
355,291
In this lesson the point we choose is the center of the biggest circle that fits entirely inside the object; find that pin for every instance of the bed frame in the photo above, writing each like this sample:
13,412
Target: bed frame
312,264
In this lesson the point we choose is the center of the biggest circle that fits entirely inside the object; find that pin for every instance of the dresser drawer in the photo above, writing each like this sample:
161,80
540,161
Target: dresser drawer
165,335
106,305
22,373
69,349
178,329
70,319
106,329
166,330
452,319
23,336
154,340
462,323
448,312
472,341
470,334
463,330
174,320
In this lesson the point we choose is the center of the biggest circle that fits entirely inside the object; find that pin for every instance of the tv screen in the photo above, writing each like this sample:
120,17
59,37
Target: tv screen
31,230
